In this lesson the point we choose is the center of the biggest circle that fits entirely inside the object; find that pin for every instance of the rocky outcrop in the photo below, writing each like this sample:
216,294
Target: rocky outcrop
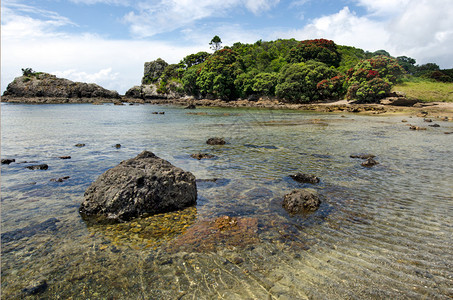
153,70
200,156
38,167
152,91
300,201
144,185
398,99
43,85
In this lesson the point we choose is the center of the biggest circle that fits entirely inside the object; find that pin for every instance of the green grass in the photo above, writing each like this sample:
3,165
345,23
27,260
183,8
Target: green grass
426,90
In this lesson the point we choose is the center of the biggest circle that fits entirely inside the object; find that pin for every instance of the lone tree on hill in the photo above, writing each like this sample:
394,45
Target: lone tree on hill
216,43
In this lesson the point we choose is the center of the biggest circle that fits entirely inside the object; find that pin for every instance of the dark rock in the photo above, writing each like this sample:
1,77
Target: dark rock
140,186
47,226
191,106
434,125
202,156
117,146
61,179
422,114
363,156
162,113
302,200
369,162
65,157
428,120
237,260
404,121
45,85
448,132
80,145
36,287
155,113
38,167
134,92
6,161
305,178
216,141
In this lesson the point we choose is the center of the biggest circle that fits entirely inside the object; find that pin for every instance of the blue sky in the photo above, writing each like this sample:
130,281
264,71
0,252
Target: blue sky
107,41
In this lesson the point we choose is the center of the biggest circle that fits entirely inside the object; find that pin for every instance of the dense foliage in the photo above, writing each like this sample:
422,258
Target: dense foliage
295,71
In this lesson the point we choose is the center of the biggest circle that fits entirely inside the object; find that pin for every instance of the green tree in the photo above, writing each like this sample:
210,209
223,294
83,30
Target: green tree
298,82
319,49
216,43
194,59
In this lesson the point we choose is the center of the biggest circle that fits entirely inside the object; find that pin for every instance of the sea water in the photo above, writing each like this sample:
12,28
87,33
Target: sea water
381,233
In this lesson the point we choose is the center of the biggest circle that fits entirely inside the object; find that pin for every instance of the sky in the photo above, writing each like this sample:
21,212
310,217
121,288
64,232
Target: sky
107,41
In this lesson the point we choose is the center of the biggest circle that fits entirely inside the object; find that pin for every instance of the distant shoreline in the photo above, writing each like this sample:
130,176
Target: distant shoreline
340,106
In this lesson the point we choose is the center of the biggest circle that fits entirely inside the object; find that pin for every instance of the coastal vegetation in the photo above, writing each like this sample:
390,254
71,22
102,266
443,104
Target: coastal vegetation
291,70
425,90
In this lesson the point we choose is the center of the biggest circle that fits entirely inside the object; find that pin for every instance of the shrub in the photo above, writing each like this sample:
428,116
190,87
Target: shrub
333,88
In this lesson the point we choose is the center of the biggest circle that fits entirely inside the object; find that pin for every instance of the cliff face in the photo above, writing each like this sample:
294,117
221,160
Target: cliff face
43,85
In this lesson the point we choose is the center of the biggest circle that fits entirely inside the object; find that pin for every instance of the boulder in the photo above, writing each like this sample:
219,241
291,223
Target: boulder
398,101
144,185
190,106
216,141
301,200
305,178
153,70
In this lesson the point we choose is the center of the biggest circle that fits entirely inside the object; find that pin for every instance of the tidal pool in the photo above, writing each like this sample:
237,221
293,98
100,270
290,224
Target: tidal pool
381,233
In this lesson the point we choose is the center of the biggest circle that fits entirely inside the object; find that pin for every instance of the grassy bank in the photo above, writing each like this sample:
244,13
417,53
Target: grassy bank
425,90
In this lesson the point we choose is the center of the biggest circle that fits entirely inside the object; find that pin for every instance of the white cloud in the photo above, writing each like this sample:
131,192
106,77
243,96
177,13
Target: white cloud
153,18
384,7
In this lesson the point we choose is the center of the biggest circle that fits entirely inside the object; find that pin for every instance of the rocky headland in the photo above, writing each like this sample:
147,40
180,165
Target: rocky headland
39,87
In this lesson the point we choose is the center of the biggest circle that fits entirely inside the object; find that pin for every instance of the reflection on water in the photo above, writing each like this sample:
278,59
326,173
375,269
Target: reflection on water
381,232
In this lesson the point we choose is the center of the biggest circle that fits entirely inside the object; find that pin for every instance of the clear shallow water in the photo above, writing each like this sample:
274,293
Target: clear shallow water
384,232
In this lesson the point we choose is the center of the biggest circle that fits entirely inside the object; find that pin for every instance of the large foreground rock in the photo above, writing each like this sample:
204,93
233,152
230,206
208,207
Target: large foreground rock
300,201
143,185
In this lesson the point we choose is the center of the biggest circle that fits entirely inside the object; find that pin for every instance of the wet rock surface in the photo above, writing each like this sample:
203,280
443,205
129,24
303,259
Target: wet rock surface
362,156
301,200
216,141
369,163
36,287
80,145
61,179
6,161
305,178
137,187
38,167
65,157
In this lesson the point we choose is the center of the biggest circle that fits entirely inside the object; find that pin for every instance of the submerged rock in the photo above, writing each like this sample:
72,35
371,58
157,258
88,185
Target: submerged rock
144,185
80,145
305,178
200,156
47,226
65,157
61,179
369,162
215,141
36,287
301,200
190,106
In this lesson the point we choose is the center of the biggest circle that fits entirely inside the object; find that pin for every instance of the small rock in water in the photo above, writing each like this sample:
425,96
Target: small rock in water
434,125
413,127
363,156
216,141
302,200
191,106
305,178
428,120
448,132
7,161
117,146
36,287
61,179
65,157
404,121
38,167
80,145
202,156
369,162
162,113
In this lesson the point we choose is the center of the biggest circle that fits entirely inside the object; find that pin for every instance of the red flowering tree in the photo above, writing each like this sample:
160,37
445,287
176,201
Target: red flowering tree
321,50
372,79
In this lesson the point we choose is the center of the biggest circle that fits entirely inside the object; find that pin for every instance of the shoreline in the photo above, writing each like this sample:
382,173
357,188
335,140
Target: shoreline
339,106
